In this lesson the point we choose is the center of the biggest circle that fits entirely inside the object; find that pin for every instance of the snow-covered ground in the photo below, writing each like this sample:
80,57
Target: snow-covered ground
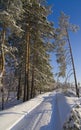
48,111
73,121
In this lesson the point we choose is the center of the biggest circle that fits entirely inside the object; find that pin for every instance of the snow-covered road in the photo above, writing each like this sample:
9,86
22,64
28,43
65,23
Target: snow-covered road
43,117
45,112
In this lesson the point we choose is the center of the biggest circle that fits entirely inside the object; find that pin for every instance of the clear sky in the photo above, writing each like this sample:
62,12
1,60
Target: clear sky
73,9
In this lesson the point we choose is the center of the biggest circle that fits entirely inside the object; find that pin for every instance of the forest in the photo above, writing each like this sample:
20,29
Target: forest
27,40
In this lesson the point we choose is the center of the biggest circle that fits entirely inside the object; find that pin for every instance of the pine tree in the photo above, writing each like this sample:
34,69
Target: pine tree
8,11
60,52
37,28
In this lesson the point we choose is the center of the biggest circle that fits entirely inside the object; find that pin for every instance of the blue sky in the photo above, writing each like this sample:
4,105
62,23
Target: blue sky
73,9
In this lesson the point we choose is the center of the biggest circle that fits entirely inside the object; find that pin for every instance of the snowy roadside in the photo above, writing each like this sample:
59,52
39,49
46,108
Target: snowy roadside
73,120
12,116
65,105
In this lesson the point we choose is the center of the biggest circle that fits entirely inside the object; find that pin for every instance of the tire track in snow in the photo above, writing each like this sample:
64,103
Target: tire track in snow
44,117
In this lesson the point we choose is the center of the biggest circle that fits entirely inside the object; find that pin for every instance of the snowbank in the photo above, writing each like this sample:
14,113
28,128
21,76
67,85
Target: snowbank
73,121
65,105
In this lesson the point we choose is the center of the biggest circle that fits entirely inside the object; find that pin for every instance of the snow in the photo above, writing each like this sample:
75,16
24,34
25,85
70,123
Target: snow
73,120
65,105
42,117
49,111
13,115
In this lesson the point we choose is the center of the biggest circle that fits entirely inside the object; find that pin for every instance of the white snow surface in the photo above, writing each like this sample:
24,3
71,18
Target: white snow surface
45,112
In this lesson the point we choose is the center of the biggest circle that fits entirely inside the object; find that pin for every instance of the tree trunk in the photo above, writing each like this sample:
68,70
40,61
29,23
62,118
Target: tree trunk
2,91
27,67
25,87
19,91
32,82
34,63
2,64
77,92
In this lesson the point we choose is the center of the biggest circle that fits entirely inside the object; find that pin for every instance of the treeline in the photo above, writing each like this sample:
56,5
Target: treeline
25,46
